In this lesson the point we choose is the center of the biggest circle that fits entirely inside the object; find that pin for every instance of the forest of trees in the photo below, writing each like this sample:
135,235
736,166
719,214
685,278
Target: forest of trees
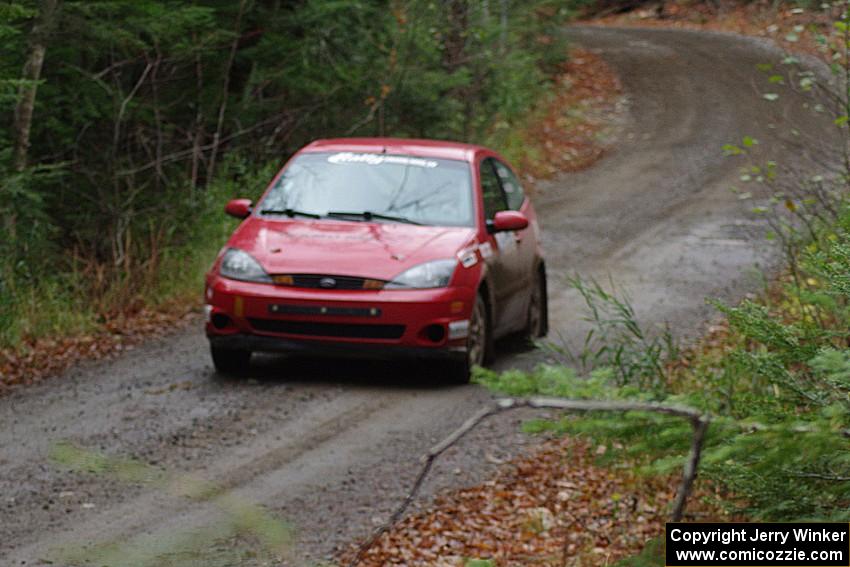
127,123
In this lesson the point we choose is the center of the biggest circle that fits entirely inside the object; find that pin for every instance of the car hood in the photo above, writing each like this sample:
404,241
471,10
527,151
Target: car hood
362,249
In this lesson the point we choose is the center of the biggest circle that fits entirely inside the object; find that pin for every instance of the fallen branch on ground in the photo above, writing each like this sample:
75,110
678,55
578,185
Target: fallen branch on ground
699,421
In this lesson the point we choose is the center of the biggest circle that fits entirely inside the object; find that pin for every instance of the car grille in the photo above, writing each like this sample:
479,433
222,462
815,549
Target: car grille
284,309
312,281
339,330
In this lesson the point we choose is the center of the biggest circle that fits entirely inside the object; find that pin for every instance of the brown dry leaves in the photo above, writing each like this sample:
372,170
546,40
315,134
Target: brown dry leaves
575,128
554,507
760,18
37,359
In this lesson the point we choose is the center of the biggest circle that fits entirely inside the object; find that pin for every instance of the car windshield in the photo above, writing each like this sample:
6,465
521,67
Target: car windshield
364,186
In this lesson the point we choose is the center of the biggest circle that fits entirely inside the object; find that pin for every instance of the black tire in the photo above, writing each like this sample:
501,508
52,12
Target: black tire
537,324
479,344
230,361
457,371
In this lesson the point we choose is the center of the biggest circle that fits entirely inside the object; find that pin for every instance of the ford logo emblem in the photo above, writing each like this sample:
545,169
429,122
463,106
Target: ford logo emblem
327,283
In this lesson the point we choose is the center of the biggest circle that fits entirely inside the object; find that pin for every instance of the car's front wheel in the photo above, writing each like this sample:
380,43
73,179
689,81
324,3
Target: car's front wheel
478,344
230,361
537,324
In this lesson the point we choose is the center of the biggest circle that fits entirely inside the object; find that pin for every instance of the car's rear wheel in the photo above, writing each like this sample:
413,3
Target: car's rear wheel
478,344
230,361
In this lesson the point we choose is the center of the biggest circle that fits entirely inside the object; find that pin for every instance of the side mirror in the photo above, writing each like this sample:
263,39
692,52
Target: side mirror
239,208
507,220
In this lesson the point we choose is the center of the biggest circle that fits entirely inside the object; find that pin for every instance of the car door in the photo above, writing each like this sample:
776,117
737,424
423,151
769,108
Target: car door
502,257
525,256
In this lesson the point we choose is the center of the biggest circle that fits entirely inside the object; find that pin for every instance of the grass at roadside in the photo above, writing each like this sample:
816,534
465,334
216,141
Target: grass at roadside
575,124
57,322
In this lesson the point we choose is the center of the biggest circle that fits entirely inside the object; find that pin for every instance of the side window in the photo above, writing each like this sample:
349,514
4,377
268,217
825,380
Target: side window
510,184
491,189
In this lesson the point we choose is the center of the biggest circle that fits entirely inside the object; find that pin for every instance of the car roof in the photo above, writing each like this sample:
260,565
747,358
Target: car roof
406,146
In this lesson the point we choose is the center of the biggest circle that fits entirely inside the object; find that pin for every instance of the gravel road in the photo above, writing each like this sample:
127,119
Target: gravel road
331,446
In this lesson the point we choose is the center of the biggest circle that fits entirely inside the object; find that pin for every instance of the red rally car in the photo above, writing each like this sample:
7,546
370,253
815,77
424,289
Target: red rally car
383,247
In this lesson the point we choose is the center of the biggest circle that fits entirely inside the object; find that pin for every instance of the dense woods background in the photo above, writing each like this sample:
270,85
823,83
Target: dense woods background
126,124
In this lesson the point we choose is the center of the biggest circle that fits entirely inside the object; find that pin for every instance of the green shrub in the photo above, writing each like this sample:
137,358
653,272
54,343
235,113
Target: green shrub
778,389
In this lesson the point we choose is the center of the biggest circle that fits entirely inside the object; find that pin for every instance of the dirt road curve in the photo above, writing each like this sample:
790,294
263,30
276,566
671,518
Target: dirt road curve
330,446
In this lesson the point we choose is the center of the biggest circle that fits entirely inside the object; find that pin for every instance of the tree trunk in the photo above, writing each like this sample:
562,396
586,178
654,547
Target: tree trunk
503,27
198,130
455,57
455,40
225,91
31,75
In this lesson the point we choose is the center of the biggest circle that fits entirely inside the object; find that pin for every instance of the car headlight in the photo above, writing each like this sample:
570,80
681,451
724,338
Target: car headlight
239,265
437,273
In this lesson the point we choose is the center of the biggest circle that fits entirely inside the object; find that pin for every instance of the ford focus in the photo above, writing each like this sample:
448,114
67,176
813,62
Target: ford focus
382,248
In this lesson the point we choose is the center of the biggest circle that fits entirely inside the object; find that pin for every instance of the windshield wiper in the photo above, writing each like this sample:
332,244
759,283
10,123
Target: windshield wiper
369,215
290,213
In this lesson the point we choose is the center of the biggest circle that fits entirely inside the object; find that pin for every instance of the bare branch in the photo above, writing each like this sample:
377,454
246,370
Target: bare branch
185,153
611,405
700,425
117,130
225,92
820,476
698,420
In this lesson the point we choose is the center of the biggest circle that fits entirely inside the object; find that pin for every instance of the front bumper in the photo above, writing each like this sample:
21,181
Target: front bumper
375,323
259,343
